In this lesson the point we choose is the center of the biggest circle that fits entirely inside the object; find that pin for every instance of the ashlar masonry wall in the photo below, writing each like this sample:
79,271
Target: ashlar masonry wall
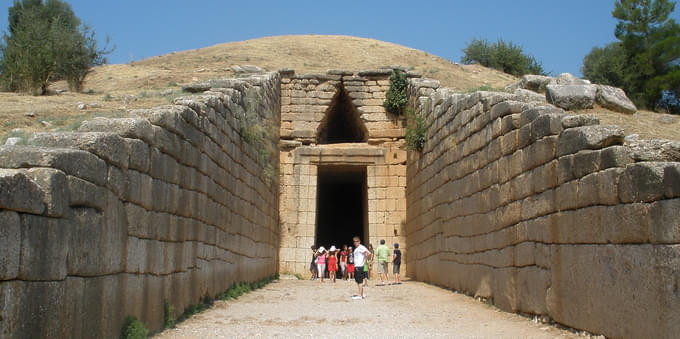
545,213
167,205
306,102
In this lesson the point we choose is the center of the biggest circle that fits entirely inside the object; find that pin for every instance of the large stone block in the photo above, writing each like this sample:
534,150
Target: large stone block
578,120
10,244
37,310
671,179
532,288
602,288
586,162
565,169
133,128
85,194
547,124
73,162
642,182
19,193
664,222
599,188
54,184
571,97
616,156
44,248
97,240
614,99
540,152
107,146
582,226
505,289
575,139
139,155
117,182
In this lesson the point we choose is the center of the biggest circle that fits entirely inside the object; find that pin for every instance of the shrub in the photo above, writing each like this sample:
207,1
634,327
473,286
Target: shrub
133,328
501,55
169,315
415,132
396,95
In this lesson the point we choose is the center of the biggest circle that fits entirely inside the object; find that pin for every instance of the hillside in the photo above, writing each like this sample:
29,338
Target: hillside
113,89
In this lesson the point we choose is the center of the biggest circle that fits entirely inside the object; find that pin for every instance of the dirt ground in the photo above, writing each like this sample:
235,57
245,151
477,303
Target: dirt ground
290,308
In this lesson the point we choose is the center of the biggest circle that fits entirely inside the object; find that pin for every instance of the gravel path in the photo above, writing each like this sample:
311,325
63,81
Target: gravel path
290,308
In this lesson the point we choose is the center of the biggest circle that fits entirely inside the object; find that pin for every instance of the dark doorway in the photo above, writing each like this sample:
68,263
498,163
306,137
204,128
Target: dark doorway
342,122
341,205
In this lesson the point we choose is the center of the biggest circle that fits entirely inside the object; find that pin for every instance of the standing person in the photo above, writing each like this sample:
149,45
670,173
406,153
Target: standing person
321,262
396,262
332,263
312,265
369,266
350,263
343,262
383,253
361,254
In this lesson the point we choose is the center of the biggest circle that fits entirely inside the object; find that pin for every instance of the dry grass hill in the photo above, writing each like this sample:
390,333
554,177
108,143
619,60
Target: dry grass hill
111,90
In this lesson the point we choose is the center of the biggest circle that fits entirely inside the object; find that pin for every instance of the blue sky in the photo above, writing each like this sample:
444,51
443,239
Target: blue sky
557,32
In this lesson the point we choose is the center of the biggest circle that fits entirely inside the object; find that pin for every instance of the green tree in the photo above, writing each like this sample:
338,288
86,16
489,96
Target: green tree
652,43
46,42
606,65
501,55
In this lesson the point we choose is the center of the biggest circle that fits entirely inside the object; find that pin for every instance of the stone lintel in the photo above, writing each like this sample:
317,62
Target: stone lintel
340,153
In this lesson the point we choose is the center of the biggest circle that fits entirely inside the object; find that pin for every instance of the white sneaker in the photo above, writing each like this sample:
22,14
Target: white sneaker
356,297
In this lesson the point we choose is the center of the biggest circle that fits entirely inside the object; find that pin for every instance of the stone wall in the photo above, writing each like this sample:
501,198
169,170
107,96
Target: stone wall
170,204
545,213
306,102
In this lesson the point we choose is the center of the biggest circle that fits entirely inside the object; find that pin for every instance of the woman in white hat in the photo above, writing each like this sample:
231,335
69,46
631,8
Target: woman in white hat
332,263
321,262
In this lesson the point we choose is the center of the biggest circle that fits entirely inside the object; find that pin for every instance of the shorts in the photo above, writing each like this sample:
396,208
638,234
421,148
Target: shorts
382,267
359,274
350,268
395,268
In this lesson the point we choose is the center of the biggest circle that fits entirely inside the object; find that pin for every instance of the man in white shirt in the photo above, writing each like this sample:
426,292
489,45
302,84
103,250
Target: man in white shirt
361,255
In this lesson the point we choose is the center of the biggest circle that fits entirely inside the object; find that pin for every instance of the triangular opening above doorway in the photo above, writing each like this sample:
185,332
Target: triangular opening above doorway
342,123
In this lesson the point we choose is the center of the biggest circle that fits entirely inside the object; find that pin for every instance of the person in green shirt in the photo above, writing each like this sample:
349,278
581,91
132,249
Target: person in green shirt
383,253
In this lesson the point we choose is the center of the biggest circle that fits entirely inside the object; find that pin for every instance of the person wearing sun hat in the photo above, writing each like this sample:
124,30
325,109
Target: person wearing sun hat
332,263
321,262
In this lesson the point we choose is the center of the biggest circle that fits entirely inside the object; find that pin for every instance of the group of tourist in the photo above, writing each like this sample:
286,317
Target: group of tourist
355,262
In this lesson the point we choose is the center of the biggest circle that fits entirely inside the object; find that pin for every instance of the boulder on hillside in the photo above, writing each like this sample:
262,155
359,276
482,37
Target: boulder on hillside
246,69
614,99
571,97
530,82
570,92
528,95
568,79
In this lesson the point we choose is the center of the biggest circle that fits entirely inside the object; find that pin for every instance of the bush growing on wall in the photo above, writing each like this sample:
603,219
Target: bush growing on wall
415,131
396,94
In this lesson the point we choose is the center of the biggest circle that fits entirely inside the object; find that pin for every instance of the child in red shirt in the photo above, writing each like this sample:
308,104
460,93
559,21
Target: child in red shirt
350,263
